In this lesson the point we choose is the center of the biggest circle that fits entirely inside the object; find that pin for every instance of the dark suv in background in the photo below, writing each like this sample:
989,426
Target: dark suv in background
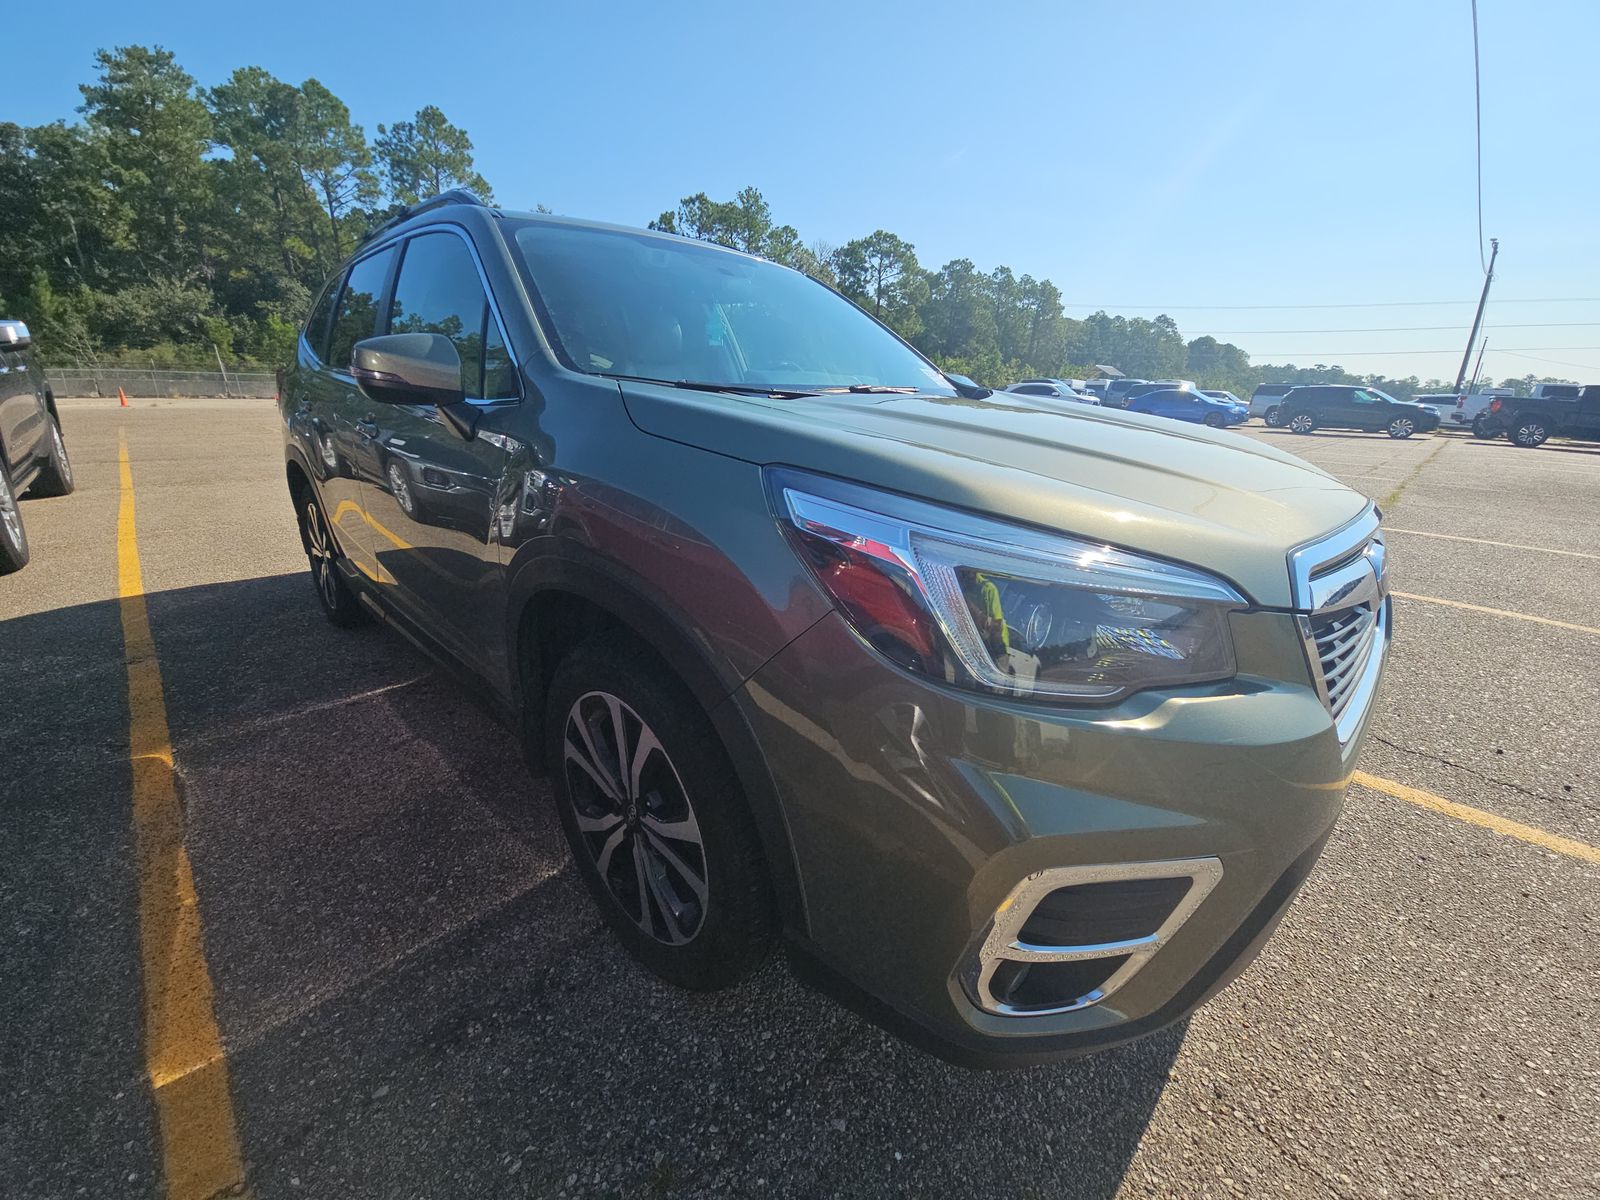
1335,406
1532,421
1021,724
33,455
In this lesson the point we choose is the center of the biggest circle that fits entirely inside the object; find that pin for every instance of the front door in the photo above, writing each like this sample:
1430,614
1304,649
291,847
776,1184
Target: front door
432,496
338,409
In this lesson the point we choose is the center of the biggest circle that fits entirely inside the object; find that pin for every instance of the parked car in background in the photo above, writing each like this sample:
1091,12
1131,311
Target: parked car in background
1157,385
1340,406
1058,389
1184,405
1225,395
1019,731
1116,393
1097,389
1265,399
1531,421
33,454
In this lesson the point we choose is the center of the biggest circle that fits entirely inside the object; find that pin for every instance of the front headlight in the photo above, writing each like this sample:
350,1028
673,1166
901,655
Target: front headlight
1001,607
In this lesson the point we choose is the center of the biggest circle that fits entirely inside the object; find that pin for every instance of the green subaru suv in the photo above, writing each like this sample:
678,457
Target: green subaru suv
1019,727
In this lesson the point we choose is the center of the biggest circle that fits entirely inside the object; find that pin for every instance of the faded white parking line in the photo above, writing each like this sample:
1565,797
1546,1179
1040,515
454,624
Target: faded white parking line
1497,612
1452,537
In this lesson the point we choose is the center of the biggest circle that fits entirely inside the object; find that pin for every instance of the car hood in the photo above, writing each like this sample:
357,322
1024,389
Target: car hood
1215,500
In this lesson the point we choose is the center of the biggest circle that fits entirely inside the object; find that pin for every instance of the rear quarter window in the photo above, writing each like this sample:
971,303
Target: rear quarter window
316,330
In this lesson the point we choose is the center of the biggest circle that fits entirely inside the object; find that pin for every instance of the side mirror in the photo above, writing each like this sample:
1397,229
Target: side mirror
408,368
14,335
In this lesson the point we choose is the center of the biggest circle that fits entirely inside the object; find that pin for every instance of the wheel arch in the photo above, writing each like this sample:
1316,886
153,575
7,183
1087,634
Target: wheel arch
559,600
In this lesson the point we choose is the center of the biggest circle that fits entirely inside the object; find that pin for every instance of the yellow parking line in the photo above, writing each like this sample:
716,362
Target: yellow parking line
1452,537
1477,816
1498,612
182,1049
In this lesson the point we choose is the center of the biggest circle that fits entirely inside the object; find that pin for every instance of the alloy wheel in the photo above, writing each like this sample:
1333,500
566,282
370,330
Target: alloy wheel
1301,424
320,542
635,817
400,486
1531,434
8,512
1401,427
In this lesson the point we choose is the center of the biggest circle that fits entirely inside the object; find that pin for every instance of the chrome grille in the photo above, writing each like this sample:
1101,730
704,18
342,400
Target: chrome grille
1341,593
1343,642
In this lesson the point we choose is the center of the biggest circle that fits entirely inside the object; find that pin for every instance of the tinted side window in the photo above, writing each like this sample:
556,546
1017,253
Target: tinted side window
1031,389
439,292
317,324
357,314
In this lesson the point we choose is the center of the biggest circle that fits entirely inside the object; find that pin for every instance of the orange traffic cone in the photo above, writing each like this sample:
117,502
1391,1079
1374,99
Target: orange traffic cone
122,398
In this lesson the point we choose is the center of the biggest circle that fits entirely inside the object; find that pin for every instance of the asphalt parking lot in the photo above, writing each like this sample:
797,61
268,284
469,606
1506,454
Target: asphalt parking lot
415,998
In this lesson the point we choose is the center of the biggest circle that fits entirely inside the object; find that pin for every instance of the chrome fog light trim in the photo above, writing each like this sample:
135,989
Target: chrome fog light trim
1003,943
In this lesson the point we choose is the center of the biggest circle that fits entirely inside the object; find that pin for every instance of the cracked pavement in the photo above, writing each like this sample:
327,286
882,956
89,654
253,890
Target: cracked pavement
417,999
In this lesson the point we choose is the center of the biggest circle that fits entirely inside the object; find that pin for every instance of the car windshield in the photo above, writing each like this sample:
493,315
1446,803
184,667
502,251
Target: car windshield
670,309
1375,394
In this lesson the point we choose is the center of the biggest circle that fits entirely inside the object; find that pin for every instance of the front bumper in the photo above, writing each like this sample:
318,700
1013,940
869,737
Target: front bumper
915,810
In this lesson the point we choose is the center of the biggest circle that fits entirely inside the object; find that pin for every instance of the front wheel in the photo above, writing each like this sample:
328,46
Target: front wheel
1402,427
56,478
1302,423
1214,420
13,537
655,817
1273,417
339,603
1530,432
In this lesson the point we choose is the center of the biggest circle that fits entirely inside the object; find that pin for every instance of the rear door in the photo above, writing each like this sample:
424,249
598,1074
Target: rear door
1585,421
22,412
432,495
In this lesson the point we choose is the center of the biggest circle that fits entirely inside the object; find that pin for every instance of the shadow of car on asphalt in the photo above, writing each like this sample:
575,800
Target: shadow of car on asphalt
416,993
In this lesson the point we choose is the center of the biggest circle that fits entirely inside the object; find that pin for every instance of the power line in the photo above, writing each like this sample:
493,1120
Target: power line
1407,328
1559,362
1364,304
1477,110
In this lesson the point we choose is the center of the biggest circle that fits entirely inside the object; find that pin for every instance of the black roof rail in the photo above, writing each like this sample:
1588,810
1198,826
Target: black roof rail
453,196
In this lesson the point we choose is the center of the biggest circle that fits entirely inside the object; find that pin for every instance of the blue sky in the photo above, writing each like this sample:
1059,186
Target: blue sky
1172,156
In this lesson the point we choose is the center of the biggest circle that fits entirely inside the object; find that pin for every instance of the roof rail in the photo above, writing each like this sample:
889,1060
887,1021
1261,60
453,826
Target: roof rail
453,196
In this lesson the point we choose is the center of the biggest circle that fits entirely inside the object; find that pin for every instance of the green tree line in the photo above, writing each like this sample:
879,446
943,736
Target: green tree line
180,223
185,222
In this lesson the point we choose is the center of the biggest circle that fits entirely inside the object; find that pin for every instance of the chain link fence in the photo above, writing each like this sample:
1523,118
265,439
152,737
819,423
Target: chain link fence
155,381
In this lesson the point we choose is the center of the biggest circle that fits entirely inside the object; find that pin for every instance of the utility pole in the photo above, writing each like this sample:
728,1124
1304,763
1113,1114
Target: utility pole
1477,369
1477,321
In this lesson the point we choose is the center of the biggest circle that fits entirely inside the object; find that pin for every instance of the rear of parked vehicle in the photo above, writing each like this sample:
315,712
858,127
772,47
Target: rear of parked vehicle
1532,421
1021,724
33,454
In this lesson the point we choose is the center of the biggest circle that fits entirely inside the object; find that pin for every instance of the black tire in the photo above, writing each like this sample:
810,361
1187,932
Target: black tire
56,478
700,932
13,535
1213,420
1302,423
338,601
1401,428
1529,432
1480,430
1273,417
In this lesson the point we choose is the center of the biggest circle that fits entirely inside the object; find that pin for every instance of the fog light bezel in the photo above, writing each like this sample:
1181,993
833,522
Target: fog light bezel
1003,943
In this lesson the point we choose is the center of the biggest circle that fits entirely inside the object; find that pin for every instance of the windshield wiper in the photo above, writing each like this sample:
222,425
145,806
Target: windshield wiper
695,385
877,389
